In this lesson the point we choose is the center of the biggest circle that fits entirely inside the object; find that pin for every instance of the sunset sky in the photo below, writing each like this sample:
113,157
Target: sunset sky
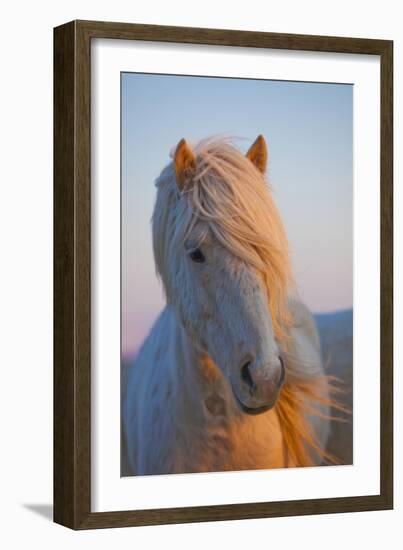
309,130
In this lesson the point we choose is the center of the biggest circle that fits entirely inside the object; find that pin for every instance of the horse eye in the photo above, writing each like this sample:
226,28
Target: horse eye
197,256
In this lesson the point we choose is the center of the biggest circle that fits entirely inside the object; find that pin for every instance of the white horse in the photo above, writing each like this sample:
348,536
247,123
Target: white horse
230,376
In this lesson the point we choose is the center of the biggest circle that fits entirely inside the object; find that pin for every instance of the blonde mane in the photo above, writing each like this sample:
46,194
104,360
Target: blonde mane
234,200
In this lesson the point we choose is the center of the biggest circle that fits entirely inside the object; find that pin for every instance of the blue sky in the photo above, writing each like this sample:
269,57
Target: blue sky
309,132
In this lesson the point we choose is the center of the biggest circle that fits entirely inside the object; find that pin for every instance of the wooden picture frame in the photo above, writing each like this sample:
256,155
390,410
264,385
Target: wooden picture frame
72,271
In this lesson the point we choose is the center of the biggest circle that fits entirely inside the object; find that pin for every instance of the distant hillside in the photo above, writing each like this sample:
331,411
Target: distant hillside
336,336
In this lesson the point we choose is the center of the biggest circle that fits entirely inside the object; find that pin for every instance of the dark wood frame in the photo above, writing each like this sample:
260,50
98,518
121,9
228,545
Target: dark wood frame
72,291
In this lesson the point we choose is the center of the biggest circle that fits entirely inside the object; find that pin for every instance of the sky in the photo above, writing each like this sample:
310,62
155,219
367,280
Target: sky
308,128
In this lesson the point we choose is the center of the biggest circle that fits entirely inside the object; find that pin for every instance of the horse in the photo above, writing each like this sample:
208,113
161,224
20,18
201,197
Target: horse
230,376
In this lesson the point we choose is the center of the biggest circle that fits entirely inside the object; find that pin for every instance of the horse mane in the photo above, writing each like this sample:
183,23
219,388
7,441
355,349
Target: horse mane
235,201
299,398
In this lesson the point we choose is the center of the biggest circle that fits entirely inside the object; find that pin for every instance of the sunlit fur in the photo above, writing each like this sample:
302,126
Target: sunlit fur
180,414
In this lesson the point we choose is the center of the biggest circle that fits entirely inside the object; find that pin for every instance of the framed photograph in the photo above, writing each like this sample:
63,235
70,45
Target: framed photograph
222,274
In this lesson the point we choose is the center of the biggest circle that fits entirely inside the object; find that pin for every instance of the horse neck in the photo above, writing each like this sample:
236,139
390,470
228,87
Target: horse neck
193,372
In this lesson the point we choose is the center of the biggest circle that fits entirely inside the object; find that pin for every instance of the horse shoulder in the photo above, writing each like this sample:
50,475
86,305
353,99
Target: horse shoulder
305,360
143,383
302,350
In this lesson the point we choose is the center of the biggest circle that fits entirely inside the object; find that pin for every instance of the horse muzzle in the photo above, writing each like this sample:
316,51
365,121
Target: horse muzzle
257,387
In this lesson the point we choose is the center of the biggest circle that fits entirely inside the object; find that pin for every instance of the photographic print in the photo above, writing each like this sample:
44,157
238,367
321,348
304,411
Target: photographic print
236,274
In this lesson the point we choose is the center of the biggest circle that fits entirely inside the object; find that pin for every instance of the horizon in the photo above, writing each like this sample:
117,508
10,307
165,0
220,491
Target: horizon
133,353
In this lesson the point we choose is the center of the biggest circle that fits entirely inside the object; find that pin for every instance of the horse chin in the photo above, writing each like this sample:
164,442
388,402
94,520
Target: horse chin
253,410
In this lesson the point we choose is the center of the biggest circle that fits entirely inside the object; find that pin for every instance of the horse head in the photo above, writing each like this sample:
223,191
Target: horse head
221,251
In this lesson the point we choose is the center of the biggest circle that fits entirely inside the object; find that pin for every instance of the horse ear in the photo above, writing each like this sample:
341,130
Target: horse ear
257,153
185,163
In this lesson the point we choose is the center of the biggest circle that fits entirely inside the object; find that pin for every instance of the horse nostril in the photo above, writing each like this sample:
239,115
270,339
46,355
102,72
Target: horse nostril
282,374
246,375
